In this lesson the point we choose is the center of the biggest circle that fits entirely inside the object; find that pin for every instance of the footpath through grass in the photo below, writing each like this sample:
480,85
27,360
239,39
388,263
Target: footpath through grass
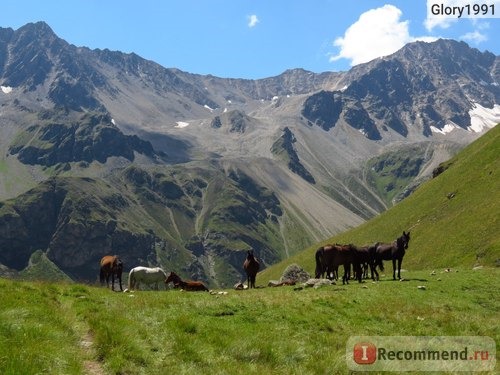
261,331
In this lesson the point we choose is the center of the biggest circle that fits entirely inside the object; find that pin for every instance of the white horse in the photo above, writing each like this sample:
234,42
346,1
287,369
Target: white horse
145,275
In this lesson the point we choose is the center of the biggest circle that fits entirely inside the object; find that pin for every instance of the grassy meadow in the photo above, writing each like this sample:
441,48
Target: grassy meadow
59,328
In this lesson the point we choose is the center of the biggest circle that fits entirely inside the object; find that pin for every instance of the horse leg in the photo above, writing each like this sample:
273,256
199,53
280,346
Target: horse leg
319,271
394,269
400,260
357,266
373,270
113,281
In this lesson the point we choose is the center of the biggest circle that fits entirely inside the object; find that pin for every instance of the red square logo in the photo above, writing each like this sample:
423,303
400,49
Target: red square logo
365,353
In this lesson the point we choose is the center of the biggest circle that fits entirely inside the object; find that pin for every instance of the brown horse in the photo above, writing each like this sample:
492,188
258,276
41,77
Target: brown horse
111,265
251,267
394,251
324,264
190,286
365,257
330,257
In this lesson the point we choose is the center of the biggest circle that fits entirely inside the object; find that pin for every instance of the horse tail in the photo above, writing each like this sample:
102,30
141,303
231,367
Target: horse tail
319,265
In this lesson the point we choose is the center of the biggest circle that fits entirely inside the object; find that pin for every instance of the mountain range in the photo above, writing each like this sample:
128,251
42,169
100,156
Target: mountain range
106,152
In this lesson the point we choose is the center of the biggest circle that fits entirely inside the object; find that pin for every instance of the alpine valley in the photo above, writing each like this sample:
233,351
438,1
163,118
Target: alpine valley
103,152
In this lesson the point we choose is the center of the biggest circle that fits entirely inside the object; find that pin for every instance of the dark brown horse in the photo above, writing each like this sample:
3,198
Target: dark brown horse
365,257
251,267
323,262
394,251
190,286
330,257
112,266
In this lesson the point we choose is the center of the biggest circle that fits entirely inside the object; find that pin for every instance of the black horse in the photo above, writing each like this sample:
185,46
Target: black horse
394,251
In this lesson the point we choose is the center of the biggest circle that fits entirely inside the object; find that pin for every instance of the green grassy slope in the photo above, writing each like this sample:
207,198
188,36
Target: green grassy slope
72,329
454,219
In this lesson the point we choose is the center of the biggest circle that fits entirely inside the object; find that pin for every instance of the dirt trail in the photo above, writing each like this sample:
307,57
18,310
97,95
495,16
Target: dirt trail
90,367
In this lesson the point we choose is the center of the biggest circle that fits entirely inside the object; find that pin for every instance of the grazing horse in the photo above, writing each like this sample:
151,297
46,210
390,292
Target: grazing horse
330,257
394,251
251,267
323,262
111,265
145,275
190,286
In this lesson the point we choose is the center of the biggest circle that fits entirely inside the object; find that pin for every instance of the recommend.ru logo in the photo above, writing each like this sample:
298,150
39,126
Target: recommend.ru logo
421,353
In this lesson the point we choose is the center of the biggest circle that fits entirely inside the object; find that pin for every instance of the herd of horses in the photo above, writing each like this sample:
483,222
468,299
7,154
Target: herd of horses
111,266
328,259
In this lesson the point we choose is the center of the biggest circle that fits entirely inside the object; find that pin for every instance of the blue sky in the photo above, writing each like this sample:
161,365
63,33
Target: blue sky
250,38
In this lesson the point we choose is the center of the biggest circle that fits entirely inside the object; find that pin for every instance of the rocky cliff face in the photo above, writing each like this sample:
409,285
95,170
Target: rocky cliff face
187,171
423,85
52,139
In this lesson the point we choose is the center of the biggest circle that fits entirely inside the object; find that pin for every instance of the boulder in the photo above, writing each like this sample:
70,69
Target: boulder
294,273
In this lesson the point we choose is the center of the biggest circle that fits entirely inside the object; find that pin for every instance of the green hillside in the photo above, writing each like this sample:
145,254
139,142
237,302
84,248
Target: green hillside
195,220
453,219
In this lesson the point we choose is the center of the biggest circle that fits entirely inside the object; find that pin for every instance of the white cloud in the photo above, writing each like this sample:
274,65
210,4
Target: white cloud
252,20
474,37
479,34
377,32
433,21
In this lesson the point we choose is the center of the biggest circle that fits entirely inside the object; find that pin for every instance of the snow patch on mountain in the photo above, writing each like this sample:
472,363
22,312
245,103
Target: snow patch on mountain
446,129
483,118
6,89
181,124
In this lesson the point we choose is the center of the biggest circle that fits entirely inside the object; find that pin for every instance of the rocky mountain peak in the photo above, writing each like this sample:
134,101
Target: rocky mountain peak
423,85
